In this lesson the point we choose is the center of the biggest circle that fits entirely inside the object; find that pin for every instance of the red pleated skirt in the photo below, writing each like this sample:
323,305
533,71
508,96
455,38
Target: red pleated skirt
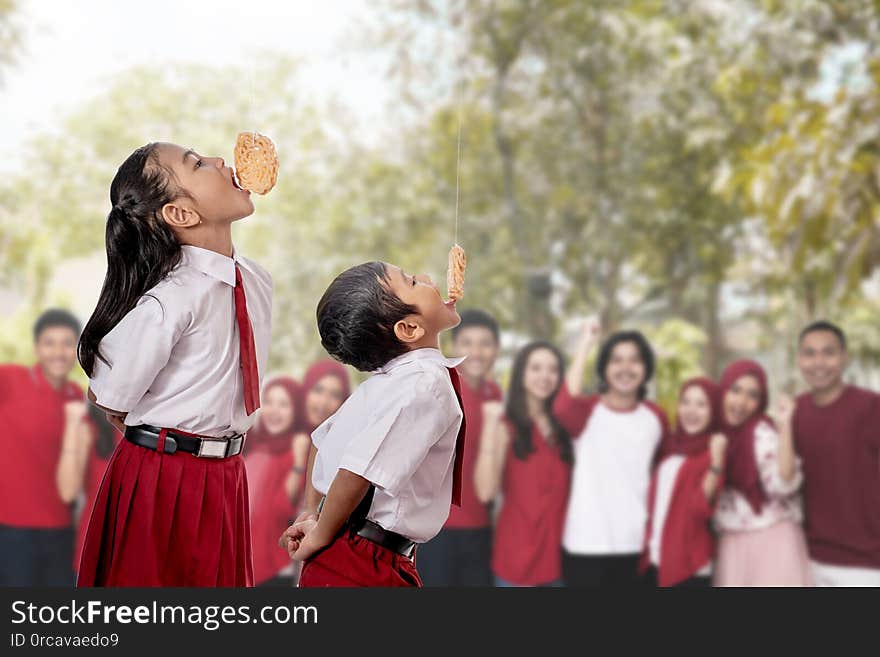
168,520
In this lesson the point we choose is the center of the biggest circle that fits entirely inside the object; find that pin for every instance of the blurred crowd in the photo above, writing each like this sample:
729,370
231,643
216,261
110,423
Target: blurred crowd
561,487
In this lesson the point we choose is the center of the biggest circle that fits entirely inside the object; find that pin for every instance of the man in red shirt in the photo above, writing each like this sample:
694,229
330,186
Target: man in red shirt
836,429
460,554
36,530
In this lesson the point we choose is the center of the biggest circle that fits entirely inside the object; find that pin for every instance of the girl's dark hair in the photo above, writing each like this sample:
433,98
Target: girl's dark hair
645,352
141,248
356,318
104,443
517,410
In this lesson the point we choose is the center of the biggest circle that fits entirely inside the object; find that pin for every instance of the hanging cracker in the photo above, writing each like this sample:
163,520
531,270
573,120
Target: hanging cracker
455,273
256,162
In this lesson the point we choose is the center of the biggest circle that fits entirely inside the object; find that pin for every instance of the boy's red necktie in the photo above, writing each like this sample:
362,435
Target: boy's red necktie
459,443
247,350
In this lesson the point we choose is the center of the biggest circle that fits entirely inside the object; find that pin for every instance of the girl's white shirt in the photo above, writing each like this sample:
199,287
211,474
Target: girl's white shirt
173,359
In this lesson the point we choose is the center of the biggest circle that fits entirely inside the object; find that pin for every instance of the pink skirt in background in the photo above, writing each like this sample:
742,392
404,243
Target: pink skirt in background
773,556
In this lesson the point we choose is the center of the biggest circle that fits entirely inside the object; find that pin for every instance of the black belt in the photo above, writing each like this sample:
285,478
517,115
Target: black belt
358,524
390,540
204,446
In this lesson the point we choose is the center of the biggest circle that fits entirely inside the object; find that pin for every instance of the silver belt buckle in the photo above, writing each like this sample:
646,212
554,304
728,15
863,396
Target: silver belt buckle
213,448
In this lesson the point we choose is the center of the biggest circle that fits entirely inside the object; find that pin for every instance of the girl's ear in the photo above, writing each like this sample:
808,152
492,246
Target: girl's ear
409,329
180,215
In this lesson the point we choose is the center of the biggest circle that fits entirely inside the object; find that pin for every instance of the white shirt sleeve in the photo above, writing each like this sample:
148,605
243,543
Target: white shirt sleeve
136,349
400,431
767,456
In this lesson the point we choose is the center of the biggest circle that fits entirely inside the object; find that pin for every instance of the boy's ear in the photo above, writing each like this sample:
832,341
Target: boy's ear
409,329
180,215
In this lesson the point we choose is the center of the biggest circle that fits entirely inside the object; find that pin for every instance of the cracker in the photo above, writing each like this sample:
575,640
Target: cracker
256,162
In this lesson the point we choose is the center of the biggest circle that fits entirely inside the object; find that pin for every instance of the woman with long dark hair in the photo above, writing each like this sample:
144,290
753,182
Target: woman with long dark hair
527,457
269,460
616,435
174,352
758,516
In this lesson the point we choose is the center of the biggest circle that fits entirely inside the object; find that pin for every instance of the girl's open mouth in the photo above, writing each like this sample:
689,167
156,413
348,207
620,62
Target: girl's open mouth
236,185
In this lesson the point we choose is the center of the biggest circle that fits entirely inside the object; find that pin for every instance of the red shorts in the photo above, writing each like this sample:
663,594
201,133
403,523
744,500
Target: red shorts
352,560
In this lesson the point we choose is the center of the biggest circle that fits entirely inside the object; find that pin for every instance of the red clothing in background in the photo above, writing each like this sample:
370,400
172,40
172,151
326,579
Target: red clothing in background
32,417
528,533
271,509
472,513
839,446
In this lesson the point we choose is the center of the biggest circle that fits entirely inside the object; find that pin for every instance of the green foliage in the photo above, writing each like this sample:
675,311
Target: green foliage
657,162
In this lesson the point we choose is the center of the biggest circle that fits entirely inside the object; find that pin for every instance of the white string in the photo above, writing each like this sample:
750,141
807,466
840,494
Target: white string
457,174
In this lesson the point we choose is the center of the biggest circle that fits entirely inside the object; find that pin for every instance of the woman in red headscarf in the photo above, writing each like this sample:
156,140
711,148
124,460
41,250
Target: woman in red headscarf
679,544
758,515
326,386
269,458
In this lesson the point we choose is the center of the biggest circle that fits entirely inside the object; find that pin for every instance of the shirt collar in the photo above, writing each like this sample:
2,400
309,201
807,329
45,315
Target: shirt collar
427,353
212,263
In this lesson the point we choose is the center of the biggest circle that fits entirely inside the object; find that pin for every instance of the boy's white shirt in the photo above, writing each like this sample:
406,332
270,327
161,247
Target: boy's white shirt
174,358
398,430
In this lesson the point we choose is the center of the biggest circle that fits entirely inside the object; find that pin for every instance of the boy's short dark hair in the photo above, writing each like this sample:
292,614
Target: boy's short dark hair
56,317
824,325
356,318
474,317
645,352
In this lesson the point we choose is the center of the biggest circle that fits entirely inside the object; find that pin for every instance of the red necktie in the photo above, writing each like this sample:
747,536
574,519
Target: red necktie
247,351
459,443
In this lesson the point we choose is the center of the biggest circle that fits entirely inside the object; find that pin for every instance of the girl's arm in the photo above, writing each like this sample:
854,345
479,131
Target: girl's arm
712,479
291,537
75,445
116,418
300,448
346,492
588,339
313,496
494,441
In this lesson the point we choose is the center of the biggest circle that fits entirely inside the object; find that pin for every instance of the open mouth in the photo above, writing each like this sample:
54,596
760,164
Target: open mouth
235,182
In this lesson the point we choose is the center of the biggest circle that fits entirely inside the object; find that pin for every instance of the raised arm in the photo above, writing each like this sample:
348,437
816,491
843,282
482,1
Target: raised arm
714,475
587,341
494,442
786,455
75,445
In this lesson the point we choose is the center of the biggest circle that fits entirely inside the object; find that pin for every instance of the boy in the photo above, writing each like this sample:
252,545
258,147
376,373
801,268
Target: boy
836,429
37,405
389,460
460,554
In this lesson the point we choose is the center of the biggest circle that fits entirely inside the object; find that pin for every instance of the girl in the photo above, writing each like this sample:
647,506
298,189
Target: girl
758,515
528,454
616,436
269,458
174,351
326,386
679,545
